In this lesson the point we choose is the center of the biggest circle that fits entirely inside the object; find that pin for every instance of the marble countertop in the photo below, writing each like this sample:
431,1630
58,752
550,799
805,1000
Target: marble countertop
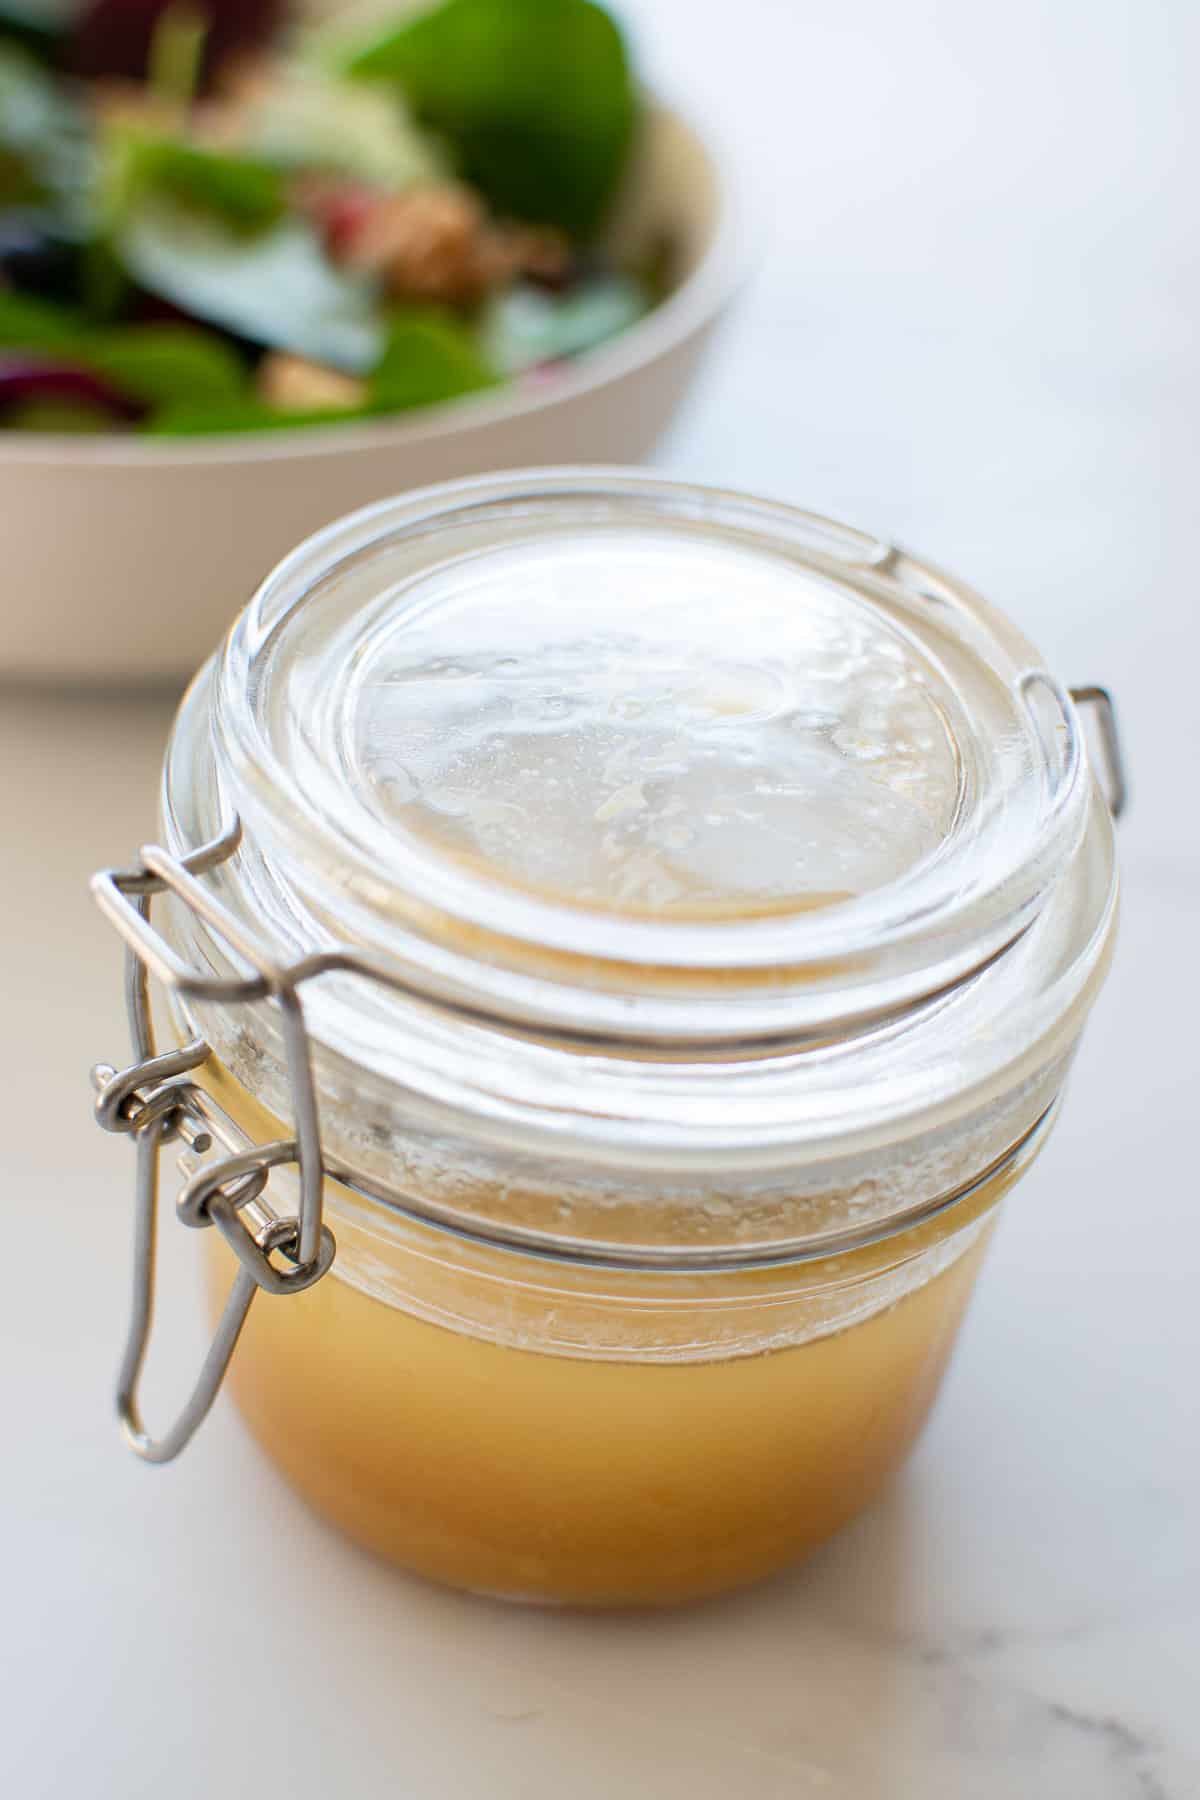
974,331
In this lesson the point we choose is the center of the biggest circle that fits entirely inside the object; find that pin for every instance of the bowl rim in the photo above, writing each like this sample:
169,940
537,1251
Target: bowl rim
700,298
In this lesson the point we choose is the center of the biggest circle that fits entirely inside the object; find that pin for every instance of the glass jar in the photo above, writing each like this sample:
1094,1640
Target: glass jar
621,941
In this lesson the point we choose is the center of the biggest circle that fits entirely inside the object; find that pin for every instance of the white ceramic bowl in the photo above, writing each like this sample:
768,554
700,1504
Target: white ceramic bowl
125,559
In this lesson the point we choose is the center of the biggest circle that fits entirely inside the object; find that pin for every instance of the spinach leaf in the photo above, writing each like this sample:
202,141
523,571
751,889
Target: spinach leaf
276,288
429,357
243,190
29,324
155,365
535,95
164,364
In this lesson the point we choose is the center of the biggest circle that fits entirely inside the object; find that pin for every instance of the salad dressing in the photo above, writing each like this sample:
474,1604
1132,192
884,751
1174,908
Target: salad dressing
634,1477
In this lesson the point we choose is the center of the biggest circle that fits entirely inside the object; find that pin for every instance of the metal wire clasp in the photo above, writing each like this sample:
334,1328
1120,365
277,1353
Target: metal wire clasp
156,1100
1116,783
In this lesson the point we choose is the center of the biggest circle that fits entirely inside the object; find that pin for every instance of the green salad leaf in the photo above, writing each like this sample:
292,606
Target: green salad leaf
45,153
429,357
275,288
536,96
243,190
29,324
164,365
525,325
158,365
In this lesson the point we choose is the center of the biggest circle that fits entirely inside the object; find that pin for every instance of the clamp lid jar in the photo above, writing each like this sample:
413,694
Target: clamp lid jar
664,919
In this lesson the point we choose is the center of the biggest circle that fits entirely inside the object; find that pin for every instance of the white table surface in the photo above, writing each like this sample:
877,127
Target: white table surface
974,331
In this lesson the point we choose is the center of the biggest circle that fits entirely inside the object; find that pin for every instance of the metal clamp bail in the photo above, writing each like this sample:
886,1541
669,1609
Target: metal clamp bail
155,1099
1114,780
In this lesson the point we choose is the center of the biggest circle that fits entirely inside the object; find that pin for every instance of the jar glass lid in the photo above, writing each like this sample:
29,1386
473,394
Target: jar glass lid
661,760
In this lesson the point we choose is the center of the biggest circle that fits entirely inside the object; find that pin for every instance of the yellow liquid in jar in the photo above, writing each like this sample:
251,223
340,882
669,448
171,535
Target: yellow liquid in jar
602,1483
599,1481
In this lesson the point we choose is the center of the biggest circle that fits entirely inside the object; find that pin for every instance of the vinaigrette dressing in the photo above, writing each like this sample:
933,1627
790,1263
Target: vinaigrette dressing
532,1476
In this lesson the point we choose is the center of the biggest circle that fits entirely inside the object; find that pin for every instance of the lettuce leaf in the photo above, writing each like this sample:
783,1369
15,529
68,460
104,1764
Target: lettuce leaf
244,191
536,97
429,357
275,288
525,325
152,365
